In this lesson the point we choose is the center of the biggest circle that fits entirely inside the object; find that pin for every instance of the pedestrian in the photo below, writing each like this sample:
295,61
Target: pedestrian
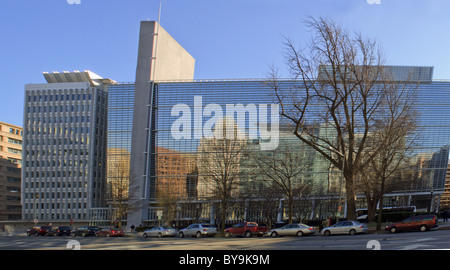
132,228
445,215
326,222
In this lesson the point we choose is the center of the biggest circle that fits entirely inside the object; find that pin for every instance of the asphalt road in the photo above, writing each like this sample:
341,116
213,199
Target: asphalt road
438,239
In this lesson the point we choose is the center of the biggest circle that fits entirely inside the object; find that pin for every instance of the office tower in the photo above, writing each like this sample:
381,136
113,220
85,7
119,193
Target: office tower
424,173
160,57
10,167
120,121
64,147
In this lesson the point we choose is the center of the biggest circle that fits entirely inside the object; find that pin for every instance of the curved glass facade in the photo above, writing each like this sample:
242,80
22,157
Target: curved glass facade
187,156
430,150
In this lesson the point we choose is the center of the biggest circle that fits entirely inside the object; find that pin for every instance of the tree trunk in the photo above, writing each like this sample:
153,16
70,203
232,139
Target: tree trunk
380,211
371,207
223,216
350,192
291,208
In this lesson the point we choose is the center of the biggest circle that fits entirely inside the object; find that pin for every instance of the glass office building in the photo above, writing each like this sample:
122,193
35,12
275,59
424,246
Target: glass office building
183,160
120,119
73,129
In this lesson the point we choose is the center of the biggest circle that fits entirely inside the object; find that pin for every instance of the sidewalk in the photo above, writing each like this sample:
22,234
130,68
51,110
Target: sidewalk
441,226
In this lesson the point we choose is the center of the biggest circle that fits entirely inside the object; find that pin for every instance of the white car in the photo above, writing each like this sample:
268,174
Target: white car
296,229
198,230
160,232
346,227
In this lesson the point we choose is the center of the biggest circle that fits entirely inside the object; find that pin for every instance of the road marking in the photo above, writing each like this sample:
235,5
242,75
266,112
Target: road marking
414,246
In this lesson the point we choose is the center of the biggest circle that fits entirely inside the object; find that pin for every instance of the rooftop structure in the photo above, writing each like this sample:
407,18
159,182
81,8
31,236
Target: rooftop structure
93,79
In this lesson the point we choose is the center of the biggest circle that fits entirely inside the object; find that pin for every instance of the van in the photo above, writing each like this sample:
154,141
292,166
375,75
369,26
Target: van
414,223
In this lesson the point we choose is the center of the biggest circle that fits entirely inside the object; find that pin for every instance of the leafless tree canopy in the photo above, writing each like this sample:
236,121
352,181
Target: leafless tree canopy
219,167
343,90
282,168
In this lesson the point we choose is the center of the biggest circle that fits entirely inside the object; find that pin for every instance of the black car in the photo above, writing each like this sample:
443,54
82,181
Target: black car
85,231
59,230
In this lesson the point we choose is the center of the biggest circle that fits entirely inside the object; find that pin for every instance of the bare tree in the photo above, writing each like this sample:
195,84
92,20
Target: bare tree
340,88
283,168
218,164
168,203
397,134
118,174
269,204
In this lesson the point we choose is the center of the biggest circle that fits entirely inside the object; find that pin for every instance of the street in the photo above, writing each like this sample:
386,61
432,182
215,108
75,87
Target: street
437,239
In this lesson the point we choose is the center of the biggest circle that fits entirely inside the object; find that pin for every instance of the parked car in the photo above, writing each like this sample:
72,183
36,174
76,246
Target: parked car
351,227
38,230
296,229
107,232
160,232
247,229
59,230
198,230
414,223
85,231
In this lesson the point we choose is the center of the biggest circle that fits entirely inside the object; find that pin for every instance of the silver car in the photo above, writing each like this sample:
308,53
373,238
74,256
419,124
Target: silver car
198,230
160,232
296,229
346,227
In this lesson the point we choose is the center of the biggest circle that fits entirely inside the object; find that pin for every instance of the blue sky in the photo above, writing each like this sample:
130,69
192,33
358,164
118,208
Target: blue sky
229,39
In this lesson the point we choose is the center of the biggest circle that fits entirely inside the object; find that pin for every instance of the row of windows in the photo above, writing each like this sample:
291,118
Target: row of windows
72,194
81,140
15,131
52,216
58,130
14,208
53,174
41,206
59,97
59,109
56,184
57,174
58,120
56,163
14,151
55,195
11,140
13,169
14,160
57,152
13,179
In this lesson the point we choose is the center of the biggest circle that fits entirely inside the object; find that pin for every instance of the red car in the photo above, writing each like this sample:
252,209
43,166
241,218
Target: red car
420,223
107,232
246,229
38,230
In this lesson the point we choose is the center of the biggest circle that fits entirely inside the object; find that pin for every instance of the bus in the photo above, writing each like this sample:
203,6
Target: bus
362,213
